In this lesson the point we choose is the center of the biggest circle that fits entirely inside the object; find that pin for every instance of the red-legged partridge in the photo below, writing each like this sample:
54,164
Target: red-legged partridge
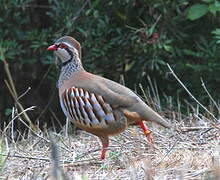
95,104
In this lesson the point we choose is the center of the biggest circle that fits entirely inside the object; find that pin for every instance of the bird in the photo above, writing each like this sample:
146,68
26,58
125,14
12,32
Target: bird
96,104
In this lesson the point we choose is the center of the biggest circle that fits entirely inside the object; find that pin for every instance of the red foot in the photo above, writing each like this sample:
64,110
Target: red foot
147,132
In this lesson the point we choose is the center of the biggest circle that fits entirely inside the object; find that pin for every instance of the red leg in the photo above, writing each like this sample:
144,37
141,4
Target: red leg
105,144
104,149
147,132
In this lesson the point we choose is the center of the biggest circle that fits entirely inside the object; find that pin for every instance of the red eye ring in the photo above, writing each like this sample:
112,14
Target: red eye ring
63,46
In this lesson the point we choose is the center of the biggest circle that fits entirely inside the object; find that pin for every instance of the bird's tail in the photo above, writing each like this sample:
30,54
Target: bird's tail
145,113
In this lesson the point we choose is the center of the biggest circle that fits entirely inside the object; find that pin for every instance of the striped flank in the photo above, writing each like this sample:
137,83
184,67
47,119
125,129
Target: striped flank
86,109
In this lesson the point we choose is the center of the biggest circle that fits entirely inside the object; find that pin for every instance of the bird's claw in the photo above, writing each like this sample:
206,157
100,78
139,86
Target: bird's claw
149,136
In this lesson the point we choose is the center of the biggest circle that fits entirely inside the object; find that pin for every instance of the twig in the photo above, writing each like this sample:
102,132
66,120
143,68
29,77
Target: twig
77,14
217,126
13,92
168,152
31,6
193,97
203,85
190,105
55,117
15,117
24,93
186,129
153,89
8,73
89,152
33,131
80,10
26,157
47,105
199,172
23,111
42,79
46,159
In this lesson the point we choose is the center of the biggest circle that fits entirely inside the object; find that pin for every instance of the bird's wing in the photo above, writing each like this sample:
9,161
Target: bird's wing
90,112
117,96
112,92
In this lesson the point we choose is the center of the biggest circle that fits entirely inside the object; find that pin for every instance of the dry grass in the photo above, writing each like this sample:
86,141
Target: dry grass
192,152
189,154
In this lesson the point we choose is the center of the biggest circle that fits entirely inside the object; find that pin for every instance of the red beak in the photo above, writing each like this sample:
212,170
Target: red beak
52,48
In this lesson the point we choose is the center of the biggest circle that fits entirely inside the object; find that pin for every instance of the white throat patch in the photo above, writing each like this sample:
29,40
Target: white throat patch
63,54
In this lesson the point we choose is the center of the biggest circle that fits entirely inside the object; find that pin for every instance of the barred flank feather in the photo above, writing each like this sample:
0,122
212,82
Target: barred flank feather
85,108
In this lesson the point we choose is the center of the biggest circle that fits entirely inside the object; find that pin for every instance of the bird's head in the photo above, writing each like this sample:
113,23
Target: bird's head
67,49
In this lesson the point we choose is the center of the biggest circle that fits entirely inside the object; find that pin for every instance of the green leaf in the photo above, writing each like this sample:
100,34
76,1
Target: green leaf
216,31
121,15
95,3
217,4
197,11
82,31
88,12
95,14
128,66
168,48
8,111
213,8
2,56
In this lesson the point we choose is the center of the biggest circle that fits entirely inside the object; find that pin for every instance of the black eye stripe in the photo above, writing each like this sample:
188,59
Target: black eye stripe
69,51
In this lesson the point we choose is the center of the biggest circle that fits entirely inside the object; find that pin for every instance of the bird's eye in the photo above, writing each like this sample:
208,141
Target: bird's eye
62,46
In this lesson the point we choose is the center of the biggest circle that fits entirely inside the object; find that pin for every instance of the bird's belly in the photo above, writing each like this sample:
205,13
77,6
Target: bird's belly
101,128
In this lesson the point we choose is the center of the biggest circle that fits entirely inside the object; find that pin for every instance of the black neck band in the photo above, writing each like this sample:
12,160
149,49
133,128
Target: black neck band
71,57
67,62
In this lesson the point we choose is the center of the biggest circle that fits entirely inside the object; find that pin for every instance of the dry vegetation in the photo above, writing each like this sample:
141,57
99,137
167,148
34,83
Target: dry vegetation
190,151
190,154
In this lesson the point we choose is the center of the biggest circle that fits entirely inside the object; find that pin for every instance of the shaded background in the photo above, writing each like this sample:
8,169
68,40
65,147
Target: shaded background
132,38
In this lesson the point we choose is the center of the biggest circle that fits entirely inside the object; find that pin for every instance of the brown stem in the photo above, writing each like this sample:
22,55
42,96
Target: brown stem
12,90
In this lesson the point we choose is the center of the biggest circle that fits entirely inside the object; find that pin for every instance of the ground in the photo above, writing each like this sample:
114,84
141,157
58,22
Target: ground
192,153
